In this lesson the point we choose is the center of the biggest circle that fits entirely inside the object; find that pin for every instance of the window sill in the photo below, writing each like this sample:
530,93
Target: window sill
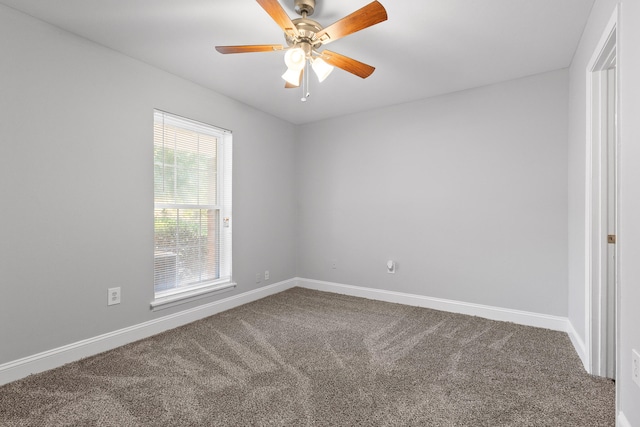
188,296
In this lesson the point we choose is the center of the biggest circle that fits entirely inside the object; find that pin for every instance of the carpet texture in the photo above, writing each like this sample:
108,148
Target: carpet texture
307,358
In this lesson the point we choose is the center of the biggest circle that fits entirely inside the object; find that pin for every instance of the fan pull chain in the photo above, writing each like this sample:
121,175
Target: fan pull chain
305,82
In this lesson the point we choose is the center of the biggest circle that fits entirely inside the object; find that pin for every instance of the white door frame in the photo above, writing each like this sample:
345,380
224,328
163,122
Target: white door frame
596,215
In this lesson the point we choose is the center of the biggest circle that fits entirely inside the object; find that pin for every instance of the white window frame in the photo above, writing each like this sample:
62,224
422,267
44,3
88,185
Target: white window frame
171,297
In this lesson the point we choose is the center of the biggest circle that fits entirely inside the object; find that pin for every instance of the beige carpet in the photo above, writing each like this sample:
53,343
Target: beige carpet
304,357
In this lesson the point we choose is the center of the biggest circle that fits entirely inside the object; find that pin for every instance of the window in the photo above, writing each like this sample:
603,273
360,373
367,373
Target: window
192,209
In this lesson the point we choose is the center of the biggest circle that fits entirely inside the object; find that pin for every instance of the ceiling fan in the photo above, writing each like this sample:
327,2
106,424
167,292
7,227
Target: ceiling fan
305,36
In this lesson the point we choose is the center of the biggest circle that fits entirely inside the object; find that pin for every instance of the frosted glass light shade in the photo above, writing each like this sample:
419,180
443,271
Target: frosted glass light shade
321,68
295,58
292,76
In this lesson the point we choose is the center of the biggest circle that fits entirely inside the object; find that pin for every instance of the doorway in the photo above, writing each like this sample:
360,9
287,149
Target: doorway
602,205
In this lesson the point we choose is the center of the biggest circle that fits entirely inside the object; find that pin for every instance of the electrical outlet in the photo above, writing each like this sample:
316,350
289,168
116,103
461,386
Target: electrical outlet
258,277
635,367
266,275
114,296
334,264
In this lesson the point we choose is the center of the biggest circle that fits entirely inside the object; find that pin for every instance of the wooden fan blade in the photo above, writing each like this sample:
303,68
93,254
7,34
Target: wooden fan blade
249,48
358,68
371,14
288,85
278,14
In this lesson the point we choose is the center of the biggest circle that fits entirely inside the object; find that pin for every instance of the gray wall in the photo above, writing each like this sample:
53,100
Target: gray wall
467,192
77,181
629,232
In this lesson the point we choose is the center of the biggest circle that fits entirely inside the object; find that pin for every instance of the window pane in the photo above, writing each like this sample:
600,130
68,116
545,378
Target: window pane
208,170
165,254
185,167
185,247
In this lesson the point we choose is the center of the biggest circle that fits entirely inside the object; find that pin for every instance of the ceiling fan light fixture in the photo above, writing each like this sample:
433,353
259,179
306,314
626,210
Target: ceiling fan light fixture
295,59
292,77
305,36
321,68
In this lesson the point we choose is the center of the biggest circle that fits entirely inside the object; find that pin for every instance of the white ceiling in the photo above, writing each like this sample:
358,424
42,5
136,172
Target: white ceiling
425,48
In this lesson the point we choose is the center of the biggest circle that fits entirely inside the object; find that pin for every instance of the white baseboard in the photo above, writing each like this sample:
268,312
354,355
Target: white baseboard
56,357
622,420
578,344
494,313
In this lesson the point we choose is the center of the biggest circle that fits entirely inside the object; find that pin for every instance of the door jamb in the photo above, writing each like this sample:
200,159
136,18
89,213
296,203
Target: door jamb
594,256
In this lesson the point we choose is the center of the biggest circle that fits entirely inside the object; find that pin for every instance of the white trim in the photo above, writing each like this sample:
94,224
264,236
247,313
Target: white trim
622,421
56,357
593,242
177,298
578,344
547,321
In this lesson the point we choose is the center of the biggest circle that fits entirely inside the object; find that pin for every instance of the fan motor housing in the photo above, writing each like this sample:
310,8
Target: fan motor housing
307,29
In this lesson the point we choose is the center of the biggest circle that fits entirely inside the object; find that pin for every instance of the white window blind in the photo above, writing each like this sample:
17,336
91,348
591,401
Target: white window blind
192,205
